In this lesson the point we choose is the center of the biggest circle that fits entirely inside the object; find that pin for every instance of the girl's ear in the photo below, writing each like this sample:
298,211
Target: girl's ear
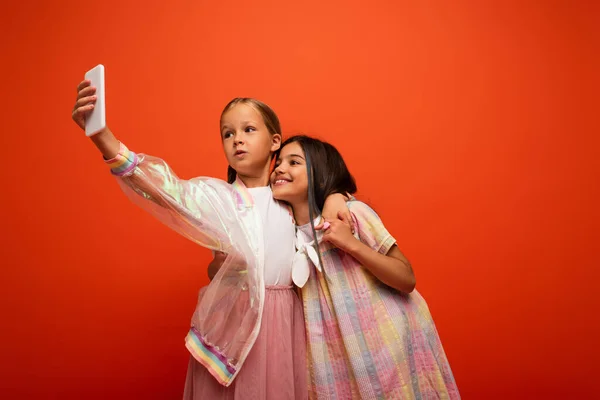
275,142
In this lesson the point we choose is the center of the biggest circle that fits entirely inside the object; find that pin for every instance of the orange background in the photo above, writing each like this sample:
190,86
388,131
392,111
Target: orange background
471,126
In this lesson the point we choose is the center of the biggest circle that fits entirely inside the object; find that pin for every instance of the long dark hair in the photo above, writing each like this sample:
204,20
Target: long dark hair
327,174
269,117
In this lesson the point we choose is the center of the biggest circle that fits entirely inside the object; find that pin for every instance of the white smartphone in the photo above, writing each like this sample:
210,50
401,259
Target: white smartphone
96,120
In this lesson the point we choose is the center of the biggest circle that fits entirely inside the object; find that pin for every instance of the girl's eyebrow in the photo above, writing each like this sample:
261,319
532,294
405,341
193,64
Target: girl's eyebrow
245,123
296,155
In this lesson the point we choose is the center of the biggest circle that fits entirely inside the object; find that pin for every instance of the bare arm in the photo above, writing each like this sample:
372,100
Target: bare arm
107,143
335,207
392,268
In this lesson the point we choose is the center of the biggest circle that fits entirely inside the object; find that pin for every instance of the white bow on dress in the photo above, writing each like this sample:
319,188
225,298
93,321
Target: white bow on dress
305,251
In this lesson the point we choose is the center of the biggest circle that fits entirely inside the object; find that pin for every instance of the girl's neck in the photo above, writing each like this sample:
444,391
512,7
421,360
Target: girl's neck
260,179
254,182
301,213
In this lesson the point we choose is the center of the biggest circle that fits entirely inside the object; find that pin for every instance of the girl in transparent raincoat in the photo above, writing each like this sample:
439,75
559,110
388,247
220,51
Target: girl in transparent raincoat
247,335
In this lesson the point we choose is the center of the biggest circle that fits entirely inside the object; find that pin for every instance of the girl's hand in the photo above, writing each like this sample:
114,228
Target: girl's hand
215,264
339,234
86,98
335,207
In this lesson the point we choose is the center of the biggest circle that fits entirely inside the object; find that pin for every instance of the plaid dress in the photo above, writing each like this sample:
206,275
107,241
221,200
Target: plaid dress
365,339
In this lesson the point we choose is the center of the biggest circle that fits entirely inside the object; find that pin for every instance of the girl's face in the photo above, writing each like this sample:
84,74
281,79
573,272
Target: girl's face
247,142
289,180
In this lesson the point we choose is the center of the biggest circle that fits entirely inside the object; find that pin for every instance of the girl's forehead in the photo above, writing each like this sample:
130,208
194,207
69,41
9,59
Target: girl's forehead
292,149
241,112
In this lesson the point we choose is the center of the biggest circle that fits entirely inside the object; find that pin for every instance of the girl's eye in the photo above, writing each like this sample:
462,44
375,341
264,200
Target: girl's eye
250,129
227,135
293,162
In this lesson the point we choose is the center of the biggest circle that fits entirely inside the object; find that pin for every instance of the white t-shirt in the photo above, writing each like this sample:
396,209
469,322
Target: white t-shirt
279,235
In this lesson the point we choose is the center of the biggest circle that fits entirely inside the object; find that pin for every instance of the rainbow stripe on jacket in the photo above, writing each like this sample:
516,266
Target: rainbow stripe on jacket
124,163
210,357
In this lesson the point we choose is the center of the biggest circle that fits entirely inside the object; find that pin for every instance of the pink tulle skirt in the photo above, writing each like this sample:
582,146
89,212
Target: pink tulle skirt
275,368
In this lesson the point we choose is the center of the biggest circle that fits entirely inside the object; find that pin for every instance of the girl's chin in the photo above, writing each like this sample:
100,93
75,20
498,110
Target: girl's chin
276,196
280,195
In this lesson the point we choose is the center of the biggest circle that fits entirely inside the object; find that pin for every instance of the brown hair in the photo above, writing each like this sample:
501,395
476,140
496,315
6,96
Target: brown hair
326,172
269,118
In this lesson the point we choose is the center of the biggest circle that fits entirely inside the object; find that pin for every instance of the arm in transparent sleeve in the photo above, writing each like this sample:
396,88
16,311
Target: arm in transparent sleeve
201,209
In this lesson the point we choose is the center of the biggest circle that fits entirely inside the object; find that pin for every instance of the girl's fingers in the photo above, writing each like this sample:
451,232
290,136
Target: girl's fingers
351,223
80,112
85,92
83,84
320,225
85,101
346,217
